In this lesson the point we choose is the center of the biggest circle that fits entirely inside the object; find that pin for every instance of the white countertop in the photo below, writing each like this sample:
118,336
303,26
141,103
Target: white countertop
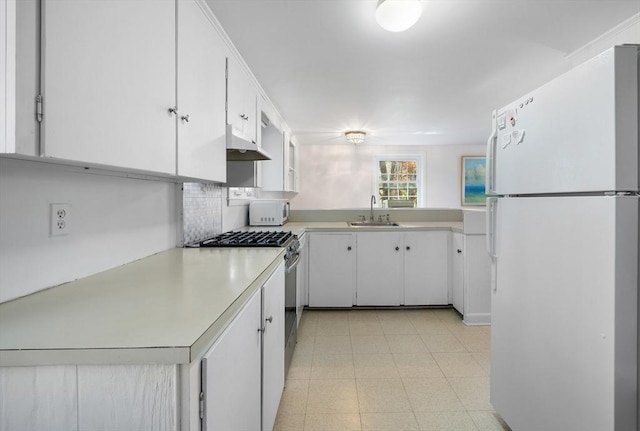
344,226
298,228
166,308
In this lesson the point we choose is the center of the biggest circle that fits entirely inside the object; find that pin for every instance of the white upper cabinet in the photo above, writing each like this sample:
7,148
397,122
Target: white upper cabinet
292,171
19,77
7,76
281,172
201,95
109,80
271,139
133,86
241,100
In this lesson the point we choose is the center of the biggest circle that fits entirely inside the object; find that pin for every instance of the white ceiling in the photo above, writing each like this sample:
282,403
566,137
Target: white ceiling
328,67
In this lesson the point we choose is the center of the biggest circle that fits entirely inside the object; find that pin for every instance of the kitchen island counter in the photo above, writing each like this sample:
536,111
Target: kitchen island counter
167,308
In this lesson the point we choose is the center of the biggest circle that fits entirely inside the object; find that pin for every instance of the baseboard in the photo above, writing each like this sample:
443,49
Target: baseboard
477,319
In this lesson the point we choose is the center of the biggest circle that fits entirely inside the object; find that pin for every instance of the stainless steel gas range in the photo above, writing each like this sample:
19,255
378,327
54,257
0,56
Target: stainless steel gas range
283,239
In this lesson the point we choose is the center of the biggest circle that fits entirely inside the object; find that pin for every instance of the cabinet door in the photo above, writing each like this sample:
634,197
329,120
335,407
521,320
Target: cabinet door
108,82
272,141
292,166
273,347
231,373
332,270
379,280
201,96
457,272
426,271
242,99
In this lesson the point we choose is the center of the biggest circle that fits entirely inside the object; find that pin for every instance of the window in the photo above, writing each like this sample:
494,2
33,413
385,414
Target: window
398,181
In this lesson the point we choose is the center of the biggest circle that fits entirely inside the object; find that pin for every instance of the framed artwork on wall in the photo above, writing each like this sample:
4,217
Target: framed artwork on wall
473,177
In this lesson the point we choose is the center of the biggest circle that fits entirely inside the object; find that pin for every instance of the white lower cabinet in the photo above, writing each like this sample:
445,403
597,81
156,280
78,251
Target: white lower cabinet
477,281
239,382
378,268
272,348
231,374
403,268
247,357
379,274
426,274
332,269
471,278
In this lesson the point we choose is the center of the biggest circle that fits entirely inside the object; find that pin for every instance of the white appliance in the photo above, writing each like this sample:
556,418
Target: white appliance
268,212
563,236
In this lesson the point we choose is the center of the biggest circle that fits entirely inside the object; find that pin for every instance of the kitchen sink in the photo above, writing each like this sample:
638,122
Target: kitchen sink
373,223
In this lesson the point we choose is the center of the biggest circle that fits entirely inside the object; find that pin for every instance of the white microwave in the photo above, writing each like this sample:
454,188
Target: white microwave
268,212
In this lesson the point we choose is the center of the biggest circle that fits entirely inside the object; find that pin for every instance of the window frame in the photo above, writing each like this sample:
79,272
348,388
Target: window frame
420,174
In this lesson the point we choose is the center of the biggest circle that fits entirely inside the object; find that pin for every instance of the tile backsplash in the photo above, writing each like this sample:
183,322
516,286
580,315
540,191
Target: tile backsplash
202,211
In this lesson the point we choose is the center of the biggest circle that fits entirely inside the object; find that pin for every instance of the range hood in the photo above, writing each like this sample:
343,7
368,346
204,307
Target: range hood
241,148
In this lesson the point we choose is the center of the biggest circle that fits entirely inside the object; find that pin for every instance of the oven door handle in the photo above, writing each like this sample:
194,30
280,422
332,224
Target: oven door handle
293,265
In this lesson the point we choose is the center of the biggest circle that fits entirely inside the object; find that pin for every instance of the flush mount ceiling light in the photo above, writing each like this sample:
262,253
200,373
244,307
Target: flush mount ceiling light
355,136
398,15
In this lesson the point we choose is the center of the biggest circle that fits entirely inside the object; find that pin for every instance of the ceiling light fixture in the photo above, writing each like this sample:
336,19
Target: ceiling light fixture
355,136
398,15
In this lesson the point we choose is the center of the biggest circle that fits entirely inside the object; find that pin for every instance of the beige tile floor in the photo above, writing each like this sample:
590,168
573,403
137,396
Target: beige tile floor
390,370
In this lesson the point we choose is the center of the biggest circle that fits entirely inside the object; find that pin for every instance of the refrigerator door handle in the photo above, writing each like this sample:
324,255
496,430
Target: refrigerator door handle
491,152
492,204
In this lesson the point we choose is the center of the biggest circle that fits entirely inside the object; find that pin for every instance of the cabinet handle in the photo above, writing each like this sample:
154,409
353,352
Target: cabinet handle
244,117
408,248
262,329
269,319
459,251
397,248
349,248
173,110
185,118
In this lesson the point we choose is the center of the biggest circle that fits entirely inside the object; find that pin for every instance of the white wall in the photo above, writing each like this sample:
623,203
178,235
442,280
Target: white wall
114,221
341,176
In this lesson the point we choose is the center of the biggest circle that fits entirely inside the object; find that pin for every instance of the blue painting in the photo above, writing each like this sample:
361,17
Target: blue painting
473,177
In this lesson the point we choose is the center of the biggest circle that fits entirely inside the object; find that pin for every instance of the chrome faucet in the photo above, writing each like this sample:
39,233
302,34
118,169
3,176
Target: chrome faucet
373,201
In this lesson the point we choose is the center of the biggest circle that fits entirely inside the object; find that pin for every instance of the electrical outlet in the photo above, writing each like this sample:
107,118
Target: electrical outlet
60,219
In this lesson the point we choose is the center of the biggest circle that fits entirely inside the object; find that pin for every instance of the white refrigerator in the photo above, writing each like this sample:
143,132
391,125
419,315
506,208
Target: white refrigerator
562,217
